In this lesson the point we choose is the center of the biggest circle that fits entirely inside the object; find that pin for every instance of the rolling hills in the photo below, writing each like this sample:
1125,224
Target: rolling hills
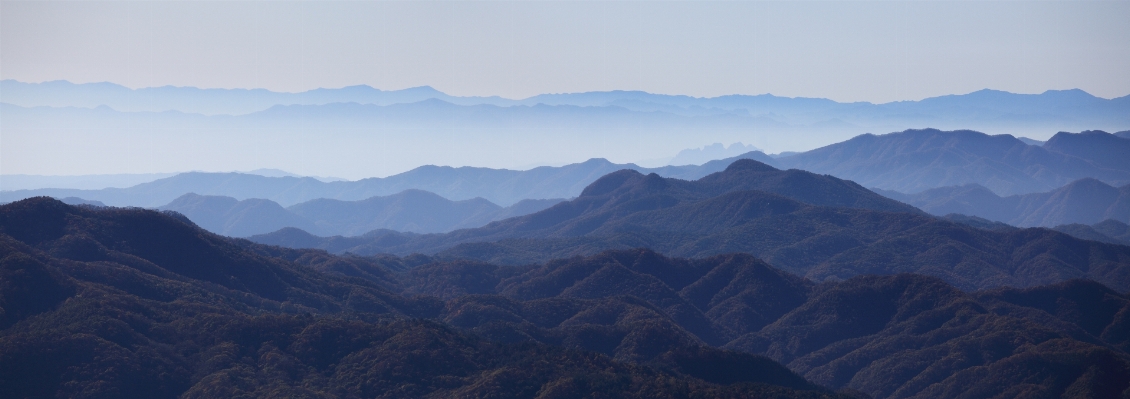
1084,201
906,162
500,186
1111,231
413,211
917,160
819,227
125,302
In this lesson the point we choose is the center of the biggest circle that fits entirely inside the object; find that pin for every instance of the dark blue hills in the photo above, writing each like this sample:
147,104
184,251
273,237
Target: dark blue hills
412,211
816,226
917,160
130,302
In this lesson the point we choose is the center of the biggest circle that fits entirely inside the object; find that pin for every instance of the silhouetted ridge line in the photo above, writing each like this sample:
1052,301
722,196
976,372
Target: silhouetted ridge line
816,226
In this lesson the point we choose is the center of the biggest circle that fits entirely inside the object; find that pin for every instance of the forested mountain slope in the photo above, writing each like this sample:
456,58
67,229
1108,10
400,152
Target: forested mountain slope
146,304
133,303
816,226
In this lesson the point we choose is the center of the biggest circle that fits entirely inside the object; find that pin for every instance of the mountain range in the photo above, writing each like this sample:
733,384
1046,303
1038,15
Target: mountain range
906,162
1056,106
1111,231
412,211
1085,201
382,133
916,160
500,186
816,226
132,302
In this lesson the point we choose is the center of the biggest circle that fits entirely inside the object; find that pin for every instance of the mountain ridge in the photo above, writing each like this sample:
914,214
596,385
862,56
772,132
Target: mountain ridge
413,211
916,160
1084,201
501,186
756,209
162,308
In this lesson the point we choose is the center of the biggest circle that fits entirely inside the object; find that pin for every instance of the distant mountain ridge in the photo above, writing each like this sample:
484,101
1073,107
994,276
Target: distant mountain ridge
917,160
552,128
413,211
1085,201
816,226
1110,231
500,186
1051,104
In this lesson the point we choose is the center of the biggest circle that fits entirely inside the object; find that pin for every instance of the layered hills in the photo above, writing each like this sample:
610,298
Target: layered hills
130,302
1084,201
133,303
413,211
906,162
1111,231
500,186
380,133
984,107
918,160
815,226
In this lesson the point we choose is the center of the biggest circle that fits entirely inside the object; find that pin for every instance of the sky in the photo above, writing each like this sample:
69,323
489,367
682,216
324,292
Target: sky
843,50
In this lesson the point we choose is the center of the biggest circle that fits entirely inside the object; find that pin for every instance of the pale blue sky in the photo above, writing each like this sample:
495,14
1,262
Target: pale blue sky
846,51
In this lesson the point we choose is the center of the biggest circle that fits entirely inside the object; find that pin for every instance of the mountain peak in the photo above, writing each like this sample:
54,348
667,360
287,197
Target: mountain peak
610,182
747,164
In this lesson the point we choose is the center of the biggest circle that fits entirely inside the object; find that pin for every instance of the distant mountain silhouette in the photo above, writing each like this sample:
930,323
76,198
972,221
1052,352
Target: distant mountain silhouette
1101,149
82,182
1110,231
917,160
80,201
1085,201
816,226
194,100
553,128
500,186
698,156
981,109
410,211
118,302
230,217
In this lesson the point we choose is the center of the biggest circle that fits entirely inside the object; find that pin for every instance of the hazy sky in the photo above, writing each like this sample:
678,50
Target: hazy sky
846,51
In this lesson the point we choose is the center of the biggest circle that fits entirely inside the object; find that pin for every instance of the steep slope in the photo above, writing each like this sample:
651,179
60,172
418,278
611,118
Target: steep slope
917,160
1084,201
135,303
